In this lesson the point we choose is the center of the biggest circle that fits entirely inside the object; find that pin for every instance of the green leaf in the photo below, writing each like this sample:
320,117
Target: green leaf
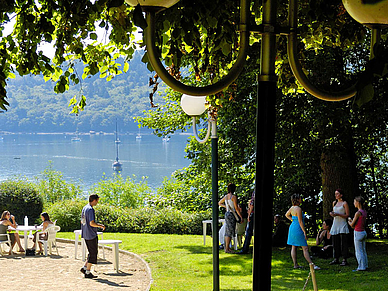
138,18
82,102
93,36
364,95
72,101
126,67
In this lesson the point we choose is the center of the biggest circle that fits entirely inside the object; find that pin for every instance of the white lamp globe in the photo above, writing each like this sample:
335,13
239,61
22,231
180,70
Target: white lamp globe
193,105
370,13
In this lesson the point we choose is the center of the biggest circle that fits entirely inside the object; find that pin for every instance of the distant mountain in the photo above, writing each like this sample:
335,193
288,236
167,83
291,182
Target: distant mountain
35,107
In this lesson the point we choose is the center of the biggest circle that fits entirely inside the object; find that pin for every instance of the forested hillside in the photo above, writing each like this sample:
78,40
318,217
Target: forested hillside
35,107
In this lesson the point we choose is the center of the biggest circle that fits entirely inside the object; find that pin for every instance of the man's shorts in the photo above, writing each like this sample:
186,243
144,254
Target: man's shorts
92,246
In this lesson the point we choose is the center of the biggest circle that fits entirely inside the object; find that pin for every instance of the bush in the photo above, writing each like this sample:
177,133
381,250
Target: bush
21,199
53,187
122,192
67,213
141,220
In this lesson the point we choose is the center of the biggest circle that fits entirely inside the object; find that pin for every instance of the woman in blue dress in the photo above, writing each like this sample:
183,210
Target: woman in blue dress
297,234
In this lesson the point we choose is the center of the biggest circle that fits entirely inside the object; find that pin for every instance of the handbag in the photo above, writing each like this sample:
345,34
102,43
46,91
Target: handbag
30,252
238,219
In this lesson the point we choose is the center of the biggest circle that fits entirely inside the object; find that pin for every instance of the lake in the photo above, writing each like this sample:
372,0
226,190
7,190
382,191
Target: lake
87,161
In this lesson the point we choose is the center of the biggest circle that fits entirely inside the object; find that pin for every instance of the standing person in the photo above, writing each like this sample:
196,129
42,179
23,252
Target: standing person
339,230
324,236
229,201
249,229
358,223
296,233
9,220
89,234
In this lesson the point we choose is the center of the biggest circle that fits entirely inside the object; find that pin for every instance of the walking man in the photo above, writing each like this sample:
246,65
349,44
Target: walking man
89,234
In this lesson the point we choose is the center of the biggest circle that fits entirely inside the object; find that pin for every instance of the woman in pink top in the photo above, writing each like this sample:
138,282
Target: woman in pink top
359,223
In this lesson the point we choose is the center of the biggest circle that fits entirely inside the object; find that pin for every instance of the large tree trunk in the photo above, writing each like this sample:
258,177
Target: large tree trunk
338,171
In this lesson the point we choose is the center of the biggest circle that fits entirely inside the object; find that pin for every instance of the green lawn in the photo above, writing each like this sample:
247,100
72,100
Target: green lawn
182,262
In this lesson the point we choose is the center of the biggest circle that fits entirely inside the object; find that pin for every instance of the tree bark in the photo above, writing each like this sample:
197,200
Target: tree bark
338,171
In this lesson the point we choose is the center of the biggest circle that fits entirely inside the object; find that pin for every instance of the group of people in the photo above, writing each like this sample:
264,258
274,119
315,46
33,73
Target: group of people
334,233
236,221
7,220
89,228
333,236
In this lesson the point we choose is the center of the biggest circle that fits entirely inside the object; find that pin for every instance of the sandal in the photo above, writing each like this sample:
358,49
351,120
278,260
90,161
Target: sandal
229,252
344,263
298,267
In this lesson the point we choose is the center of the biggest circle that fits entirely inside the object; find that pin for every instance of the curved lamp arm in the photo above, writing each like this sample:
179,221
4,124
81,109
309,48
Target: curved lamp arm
297,69
209,125
198,91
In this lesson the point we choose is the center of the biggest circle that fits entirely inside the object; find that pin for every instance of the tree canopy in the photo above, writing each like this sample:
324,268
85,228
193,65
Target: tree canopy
319,146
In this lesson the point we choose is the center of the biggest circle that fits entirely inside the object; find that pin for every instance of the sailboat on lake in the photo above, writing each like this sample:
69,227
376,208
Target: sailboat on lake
117,166
117,140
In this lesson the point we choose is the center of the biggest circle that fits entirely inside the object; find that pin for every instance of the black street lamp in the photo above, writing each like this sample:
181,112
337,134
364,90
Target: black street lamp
373,14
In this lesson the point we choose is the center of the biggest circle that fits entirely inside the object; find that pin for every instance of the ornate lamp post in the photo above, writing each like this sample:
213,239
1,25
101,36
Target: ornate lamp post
195,106
373,15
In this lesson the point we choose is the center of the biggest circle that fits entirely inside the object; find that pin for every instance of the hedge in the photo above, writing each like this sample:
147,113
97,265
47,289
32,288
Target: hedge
21,199
139,220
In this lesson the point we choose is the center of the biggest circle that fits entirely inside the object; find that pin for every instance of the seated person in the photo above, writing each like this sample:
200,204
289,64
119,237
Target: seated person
42,236
324,237
280,234
9,220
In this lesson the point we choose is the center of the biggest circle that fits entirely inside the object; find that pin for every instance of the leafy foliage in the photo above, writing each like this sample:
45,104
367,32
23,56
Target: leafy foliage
53,188
36,108
121,192
21,199
122,219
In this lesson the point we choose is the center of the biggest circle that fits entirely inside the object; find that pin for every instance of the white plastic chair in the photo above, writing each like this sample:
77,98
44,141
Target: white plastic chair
4,239
51,238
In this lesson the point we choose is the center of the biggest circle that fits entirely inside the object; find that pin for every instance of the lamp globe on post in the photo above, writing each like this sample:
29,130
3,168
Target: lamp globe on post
193,105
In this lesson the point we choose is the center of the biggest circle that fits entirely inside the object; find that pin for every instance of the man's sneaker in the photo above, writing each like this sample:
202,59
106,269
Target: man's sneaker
83,271
90,276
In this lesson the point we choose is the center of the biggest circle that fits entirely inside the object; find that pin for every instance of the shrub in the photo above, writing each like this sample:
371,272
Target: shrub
118,191
122,219
53,187
21,199
67,213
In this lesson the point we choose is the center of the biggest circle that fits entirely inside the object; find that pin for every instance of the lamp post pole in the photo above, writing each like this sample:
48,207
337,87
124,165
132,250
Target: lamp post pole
265,141
216,269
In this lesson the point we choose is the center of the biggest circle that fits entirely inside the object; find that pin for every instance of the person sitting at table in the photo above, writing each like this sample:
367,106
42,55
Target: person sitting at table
42,236
9,220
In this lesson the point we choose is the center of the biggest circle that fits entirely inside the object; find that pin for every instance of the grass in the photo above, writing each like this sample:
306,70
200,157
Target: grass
182,262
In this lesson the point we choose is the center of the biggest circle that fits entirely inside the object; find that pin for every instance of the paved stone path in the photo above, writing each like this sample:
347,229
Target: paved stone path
63,272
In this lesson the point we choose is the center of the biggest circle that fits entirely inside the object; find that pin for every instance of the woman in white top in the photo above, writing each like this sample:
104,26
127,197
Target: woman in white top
339,230
229,201
42,236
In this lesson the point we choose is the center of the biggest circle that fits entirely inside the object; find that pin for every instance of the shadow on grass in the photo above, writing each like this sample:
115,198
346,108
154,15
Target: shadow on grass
195,249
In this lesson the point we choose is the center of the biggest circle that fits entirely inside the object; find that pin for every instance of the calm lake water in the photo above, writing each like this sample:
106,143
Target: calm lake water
87,161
